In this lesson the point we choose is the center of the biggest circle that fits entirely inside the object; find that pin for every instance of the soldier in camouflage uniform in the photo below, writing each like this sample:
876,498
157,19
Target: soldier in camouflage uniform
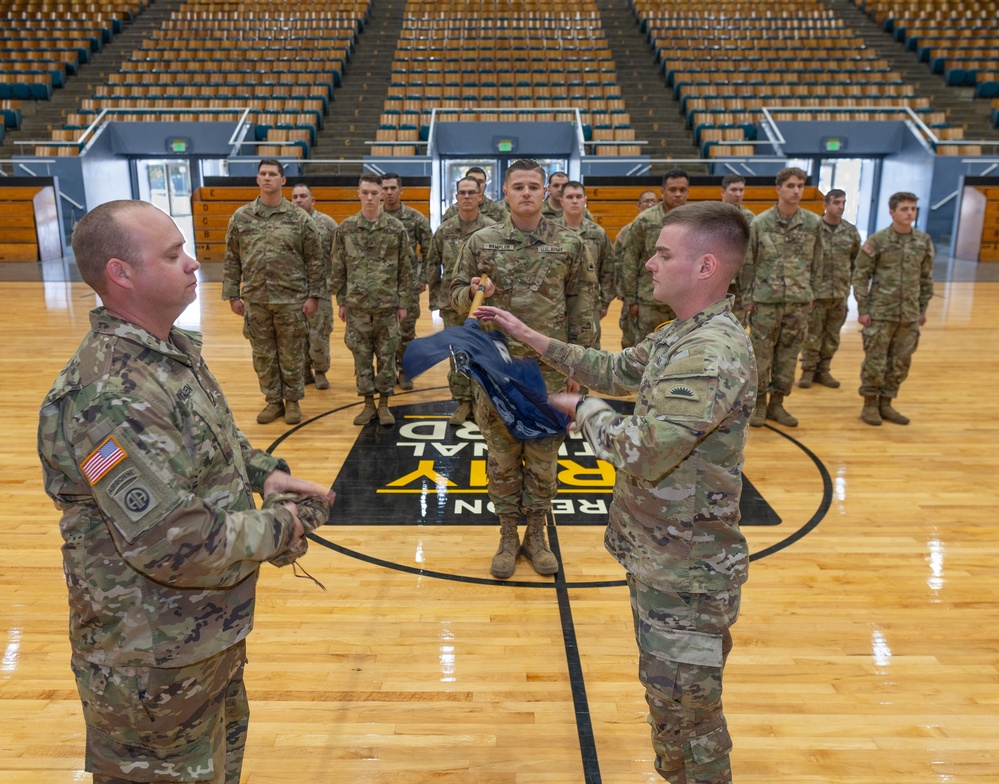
893,284
273,278
674,520
162,541
777,280
552,206
418,229
733,190
627,322
373,284
840,246
535,268
494,210
640,244
599,265
317,355
441,259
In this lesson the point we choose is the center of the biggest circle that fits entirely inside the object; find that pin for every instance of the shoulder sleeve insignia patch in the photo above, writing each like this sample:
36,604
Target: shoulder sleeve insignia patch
681,390
868,249
102,460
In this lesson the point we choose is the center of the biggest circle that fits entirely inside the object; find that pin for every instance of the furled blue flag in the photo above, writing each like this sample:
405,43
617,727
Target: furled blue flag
515,386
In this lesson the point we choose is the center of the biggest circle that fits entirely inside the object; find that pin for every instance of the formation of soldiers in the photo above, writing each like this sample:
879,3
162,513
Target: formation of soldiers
282,271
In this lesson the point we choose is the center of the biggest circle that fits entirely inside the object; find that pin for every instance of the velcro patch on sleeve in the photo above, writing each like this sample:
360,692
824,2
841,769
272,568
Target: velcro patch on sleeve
102,460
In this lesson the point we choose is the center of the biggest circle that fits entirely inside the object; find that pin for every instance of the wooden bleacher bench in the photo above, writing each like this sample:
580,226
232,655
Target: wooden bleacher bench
29,225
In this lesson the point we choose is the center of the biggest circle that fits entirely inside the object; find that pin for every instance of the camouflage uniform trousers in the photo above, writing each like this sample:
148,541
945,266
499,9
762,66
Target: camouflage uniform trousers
628,325
460,384
407,329
372,334
523,475
278,336
185,724
317,355
825,321
888,350
650,318
777,333
738,306
684,640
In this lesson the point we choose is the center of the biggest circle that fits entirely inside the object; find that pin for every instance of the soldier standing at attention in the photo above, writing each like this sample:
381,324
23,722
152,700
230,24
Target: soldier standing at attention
893,284
494,210
441,259
162,541
840,246
273,278
418,229
552,206
635,281
628,323
599,254
535,269
674,519
733,191
784,253
373,284
317,361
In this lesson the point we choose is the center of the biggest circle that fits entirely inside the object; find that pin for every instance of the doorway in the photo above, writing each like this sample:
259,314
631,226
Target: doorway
166,183
859,178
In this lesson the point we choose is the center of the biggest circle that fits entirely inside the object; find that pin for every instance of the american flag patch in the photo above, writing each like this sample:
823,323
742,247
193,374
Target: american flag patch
102,460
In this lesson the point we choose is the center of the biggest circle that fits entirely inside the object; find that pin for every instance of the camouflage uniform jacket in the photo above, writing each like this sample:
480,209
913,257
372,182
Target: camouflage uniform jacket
893,275
372,264
783,258
674,519
538,276
494,210
840,246
443,255
418,229
620,242
638,246
600,259
748,214
552,213
154,480
327,229
273,255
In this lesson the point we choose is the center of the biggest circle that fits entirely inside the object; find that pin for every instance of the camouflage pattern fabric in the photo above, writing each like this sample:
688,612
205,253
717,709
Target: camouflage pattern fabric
684,641
440,262
674,518
893,275
599,268
783,258
373,335
321,322
555,213
888,350
539,277
178,724
418,229
627,322
312,513
778,333
822,336
278,335
496,211
140,454
634,280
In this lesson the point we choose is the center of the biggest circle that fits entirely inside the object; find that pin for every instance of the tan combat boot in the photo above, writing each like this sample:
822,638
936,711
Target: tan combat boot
321,381
536,546
461,413
890,414
825,378
271,412
404,382
292,412
384,415
760,412
505,561
870,414
368,413
776,412
806,378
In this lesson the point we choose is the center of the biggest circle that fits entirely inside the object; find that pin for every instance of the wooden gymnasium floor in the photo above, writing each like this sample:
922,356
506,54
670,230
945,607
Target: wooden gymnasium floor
867,651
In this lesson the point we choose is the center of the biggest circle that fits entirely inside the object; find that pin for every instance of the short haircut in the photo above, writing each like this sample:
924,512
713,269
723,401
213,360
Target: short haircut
392,176
640,195
791,171
675,174
102,235
835,193
368,177
524,164
730,179
270,162
457,185
897,198
717,228
302,185
574,184
475,170
555,174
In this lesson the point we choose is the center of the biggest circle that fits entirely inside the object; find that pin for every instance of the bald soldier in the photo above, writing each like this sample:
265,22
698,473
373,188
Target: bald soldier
163,543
